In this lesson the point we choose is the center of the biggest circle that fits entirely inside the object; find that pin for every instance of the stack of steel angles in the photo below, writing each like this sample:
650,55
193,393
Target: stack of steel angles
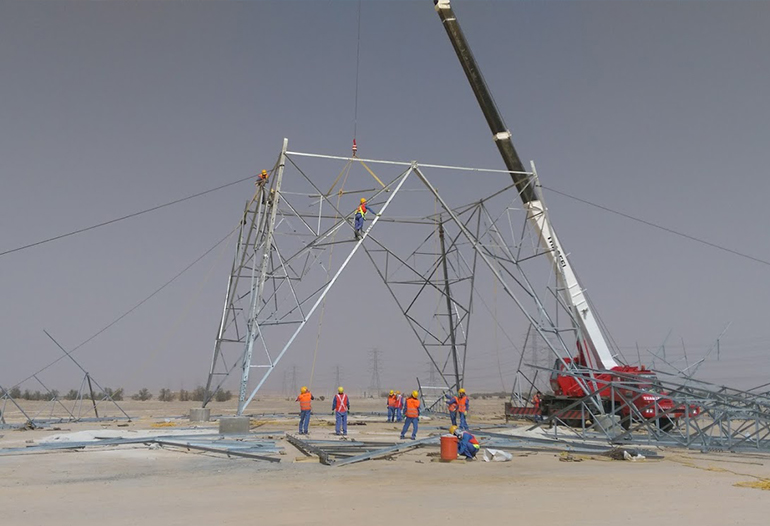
341,452
234,446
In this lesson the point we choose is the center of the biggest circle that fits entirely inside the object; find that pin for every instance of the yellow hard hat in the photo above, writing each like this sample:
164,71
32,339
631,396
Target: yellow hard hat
391,392
264,172
415,394
363,200
461,391
452,429
398,392
303,390
340,389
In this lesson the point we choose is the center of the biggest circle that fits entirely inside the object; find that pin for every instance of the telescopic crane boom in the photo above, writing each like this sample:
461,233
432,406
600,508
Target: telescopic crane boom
592,342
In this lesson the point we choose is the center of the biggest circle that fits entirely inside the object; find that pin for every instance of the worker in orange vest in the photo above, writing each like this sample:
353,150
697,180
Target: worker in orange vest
463,404
412,414
262,177
392,404
466,443
304,399
537,400
341,406
399,406
451,403
360,216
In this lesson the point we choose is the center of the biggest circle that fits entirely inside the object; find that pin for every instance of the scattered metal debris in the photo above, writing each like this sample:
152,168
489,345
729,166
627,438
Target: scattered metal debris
341,452
243,446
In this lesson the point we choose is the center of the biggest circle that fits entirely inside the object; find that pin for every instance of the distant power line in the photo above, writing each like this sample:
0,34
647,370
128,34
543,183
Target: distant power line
129,216
660,227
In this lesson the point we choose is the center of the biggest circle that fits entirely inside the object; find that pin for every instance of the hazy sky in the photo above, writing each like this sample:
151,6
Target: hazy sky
655,109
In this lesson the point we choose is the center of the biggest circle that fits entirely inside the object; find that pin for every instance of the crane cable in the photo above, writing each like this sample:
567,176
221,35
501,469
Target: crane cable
346,171
358,61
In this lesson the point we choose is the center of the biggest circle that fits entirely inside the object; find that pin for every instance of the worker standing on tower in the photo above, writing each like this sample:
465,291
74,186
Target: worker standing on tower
412,414
341,406
304,399
466,443
392,404
360,216
463,404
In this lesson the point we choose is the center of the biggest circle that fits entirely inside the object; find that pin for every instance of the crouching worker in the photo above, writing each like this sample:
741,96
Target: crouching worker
466,443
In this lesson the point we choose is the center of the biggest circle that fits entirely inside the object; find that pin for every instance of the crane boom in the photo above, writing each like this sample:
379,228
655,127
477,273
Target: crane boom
592,342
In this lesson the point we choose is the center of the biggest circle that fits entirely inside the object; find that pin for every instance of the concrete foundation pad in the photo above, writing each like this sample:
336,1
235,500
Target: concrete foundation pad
608,424
200,414
234,425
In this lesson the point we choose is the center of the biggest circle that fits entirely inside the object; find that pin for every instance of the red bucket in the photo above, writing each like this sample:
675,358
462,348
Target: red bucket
448,448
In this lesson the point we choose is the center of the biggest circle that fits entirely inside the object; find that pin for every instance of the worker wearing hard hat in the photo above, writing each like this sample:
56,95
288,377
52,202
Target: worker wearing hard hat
399,406
304,398
451,404
262,177
412,414
463,404
392,405
466,443
360,216
341,406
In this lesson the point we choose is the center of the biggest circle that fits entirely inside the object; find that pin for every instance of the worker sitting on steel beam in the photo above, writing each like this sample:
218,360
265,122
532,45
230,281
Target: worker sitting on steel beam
466,443
412,414
304,399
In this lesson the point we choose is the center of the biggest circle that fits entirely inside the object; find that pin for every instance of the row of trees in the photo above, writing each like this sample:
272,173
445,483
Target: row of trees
164,395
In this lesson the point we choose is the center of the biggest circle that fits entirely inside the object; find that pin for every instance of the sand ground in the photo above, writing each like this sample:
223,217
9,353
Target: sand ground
136,485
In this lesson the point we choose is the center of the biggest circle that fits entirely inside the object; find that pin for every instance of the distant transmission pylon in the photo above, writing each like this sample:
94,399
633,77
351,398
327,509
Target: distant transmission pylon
375,385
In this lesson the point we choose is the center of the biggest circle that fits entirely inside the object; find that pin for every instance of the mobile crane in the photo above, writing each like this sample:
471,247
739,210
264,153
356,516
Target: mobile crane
593,368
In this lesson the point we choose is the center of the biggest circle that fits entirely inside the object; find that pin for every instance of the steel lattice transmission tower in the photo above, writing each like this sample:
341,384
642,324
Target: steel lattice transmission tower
375,385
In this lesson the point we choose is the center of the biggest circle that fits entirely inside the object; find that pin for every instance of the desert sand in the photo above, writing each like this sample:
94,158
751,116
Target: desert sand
139,485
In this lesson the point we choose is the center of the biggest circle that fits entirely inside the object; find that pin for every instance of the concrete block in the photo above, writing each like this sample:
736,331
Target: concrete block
608,424
200,414
234,425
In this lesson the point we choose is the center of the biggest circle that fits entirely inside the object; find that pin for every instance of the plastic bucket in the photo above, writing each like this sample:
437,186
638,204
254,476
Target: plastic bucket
448,448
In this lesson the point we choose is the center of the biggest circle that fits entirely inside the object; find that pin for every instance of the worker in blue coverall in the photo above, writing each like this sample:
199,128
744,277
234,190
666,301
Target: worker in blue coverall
451,406
467,444
360,216
463,405
341,406
400,407
412,414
